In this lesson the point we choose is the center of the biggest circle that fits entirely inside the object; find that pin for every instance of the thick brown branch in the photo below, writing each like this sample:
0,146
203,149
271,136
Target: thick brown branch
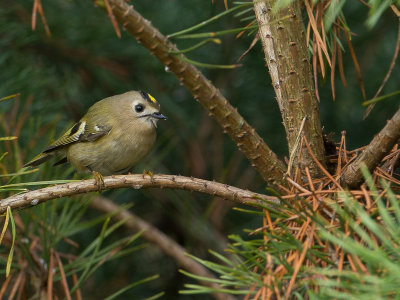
381,145
137,182
286,54
249,142
155,236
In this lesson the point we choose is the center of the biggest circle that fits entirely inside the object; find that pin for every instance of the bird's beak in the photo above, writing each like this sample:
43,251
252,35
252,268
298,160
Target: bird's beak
159,116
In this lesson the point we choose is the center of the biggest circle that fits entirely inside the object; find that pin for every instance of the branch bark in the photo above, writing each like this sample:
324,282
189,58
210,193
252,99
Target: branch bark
381,145
155,236
137,181
249,142
284,43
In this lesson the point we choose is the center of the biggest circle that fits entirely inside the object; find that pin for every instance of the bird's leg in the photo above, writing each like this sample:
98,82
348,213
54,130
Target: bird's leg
99,179
149,173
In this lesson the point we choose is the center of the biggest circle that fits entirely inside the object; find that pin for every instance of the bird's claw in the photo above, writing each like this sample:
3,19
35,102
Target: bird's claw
149,173
99,179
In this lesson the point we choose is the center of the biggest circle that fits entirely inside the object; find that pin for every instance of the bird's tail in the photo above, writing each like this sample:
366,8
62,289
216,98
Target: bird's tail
38,160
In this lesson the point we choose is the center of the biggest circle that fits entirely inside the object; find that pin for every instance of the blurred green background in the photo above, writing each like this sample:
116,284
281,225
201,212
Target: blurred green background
84,61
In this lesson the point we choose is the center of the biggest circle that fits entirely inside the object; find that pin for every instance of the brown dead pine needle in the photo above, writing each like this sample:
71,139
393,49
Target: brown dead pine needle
112,18
334,55
252,44
356,65
63,276
37,8
78,294
5,285
16,285
299,263
316,33
50,276
321,167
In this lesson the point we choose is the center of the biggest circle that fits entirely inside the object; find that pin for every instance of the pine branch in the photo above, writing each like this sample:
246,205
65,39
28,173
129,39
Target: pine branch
165,243
284,42
380,146
248,141
138,181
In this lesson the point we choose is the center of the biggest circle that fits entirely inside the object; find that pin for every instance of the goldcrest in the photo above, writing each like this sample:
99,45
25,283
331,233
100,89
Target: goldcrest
114,135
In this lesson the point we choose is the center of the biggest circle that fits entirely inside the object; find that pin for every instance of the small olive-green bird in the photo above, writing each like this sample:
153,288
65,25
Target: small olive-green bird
114,135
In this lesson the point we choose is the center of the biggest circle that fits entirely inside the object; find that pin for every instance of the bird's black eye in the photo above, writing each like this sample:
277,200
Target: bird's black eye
139,108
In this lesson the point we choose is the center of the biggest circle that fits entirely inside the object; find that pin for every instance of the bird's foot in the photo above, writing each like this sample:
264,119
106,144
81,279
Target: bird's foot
99,180
148,173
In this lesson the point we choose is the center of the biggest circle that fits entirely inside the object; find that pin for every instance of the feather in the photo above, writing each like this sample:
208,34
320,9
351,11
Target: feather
80,132
39,159
72,135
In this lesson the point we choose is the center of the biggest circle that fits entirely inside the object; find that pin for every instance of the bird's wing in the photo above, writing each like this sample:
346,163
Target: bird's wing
93,133
80,132
70,136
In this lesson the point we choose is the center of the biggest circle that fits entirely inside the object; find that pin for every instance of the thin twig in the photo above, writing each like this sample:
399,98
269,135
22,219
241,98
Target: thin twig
138,181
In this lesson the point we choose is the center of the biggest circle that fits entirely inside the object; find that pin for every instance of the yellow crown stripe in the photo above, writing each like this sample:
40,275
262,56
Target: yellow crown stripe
152,98
148,97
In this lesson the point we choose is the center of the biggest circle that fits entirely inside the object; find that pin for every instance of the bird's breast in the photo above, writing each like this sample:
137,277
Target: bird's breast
117,152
